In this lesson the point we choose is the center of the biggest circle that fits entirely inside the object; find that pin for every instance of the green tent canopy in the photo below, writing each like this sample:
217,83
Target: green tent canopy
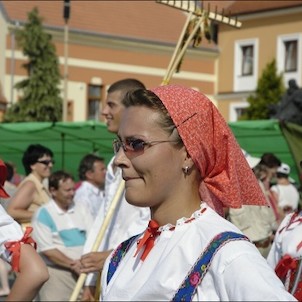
282,139
70,141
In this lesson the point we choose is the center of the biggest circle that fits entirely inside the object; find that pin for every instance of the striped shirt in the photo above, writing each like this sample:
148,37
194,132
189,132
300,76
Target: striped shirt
57,229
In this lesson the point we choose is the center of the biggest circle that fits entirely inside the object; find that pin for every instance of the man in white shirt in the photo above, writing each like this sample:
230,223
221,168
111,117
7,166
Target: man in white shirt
287,194
90,193
60,229
127,220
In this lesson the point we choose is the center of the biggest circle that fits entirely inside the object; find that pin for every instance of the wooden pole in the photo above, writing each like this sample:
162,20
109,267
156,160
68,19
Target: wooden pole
181,53
176,50
99,238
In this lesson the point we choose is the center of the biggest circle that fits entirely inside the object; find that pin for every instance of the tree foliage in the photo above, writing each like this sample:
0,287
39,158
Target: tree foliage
40,96
270,89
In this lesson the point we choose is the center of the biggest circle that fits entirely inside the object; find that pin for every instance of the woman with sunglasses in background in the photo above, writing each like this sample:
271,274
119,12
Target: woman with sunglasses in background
32,192
179,157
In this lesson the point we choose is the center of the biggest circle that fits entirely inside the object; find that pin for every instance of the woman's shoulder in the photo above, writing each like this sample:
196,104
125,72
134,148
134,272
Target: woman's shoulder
27,183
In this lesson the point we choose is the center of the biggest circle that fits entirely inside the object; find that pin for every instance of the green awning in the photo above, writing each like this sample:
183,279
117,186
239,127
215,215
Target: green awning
70,141
258,137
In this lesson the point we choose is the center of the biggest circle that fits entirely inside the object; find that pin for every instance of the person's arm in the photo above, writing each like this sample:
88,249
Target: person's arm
33,274
19,204
60,259
94,261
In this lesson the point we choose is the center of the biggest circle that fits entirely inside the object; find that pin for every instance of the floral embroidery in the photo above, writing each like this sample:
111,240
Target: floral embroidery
117,255
194,278
201,266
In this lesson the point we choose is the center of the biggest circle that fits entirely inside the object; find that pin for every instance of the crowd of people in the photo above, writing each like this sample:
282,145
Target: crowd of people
195,210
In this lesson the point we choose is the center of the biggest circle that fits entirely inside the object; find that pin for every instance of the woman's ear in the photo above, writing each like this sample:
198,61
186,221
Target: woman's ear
187,163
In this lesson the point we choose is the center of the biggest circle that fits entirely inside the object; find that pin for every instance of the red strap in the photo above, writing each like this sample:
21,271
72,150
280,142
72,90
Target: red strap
285,264
148,239
14,248
291,221
273,204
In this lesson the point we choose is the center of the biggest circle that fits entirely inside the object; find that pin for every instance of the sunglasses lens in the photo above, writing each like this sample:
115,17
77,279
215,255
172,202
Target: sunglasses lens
46,162
136,145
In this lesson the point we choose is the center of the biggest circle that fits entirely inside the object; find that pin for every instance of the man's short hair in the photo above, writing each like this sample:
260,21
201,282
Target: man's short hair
86,164
56,177
126,85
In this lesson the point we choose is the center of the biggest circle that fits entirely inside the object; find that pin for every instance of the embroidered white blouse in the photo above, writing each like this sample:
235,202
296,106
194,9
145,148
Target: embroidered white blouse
10,230
287,240
238,272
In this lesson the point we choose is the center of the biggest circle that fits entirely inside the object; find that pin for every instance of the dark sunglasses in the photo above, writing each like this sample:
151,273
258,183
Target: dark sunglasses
135,145
46,162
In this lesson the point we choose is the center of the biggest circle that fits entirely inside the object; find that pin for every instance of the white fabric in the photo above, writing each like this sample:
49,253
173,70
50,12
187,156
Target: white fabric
288,195
54,228
286,240
237,273
126,222
90,196
256,222
10,230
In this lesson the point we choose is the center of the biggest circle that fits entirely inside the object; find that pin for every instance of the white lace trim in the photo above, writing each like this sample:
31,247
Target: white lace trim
183,220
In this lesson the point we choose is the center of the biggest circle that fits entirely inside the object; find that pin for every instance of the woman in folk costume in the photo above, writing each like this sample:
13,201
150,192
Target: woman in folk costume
286,253
179,157
18,249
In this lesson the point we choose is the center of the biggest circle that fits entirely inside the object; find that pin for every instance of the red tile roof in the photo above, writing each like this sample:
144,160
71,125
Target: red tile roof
145,20
256,6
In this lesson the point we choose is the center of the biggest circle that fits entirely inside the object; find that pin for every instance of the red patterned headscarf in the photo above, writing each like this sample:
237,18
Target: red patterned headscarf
227,179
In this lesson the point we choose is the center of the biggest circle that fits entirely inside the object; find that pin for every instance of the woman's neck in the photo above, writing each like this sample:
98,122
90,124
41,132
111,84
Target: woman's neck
171,211
37,176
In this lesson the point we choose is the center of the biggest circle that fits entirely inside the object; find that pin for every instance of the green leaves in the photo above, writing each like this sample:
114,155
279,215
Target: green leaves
39,93
269,90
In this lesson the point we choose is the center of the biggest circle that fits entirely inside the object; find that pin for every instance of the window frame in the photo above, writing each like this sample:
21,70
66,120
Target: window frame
96,99
281,57
234,106
248,81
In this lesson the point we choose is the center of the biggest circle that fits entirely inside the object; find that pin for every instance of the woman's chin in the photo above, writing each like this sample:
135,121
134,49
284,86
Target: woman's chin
136,201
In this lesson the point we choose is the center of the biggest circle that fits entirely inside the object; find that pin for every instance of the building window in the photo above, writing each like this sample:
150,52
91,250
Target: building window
94,101
247,60
237,110
291,55
245,65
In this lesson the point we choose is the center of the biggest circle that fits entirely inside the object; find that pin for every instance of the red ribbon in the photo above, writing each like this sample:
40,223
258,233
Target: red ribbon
148,239
285,264
273,204
14,248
